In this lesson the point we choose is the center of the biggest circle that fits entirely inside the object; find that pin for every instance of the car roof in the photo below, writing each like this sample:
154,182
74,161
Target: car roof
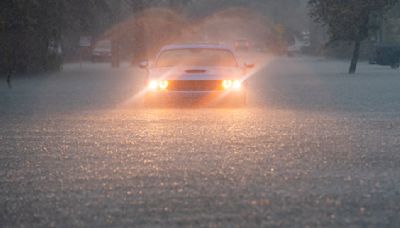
196,46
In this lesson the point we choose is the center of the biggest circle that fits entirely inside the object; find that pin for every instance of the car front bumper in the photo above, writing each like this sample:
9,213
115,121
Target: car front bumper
197,96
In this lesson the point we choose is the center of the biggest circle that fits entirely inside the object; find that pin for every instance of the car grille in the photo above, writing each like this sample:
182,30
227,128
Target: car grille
193,85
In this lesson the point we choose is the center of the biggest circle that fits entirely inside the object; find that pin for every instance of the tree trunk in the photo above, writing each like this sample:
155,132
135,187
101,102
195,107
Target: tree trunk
9,79
355,57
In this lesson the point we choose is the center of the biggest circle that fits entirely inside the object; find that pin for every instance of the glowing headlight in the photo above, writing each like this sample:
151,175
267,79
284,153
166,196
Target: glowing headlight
231,84
162,85
237,84
153,85
227,84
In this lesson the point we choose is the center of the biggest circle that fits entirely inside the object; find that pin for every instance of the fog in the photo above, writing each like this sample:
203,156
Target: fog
268,26
303,143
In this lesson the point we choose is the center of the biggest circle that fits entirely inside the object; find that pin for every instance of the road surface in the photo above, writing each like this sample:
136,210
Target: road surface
314,148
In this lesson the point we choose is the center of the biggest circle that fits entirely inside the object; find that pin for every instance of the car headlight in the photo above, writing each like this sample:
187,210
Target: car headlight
153,85
231,84
162,85
237,84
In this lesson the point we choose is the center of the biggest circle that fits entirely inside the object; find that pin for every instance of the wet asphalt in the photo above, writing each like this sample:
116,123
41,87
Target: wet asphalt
313,148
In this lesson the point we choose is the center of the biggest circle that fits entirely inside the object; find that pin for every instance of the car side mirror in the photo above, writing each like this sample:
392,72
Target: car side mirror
249,65
144,64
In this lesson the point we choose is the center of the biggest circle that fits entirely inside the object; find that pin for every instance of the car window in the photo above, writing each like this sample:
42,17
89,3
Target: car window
196,57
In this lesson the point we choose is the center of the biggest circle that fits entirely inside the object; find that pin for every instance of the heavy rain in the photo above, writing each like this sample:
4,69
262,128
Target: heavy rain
199,113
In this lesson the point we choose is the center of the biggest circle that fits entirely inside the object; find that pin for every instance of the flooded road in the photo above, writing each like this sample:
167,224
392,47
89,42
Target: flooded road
313,148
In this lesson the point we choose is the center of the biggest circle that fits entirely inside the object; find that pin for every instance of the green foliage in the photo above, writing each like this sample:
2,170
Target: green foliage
349,20
31,31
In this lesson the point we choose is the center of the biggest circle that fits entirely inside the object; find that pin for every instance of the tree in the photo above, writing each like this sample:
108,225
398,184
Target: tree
348,20
31,32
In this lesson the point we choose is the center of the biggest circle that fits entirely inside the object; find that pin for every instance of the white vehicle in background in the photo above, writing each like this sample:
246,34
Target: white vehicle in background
298,46
102,51
201,72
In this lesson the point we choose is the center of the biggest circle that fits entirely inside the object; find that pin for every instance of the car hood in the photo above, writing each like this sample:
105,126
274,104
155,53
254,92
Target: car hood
195,73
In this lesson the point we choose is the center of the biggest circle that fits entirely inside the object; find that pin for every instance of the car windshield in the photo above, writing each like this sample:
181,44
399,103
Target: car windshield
196,57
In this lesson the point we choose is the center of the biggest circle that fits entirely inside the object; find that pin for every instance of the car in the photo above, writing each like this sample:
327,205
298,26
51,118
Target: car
102,51
197,72
386,55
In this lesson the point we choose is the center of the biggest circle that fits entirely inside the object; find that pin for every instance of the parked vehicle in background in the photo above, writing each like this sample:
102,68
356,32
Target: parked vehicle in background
102,51
298,46
386,55
207,73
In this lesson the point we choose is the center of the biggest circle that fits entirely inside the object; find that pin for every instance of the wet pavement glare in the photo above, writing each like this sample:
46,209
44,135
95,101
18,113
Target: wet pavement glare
309,150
